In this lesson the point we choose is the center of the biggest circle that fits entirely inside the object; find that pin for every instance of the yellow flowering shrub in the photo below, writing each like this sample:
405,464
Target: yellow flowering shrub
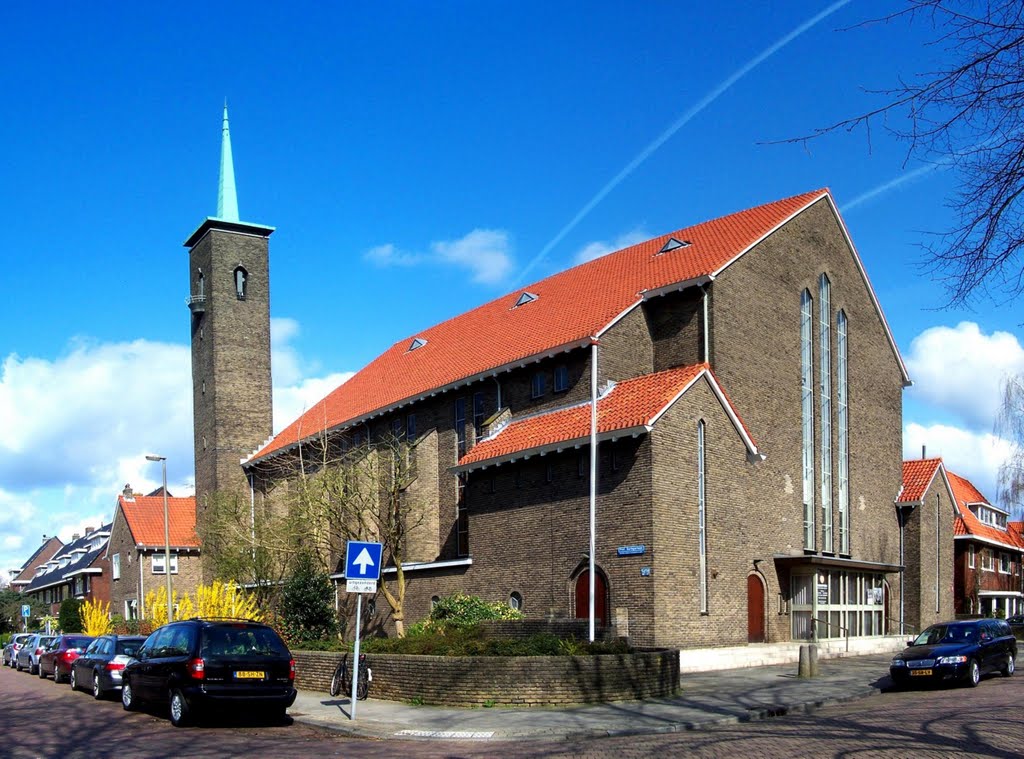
96,618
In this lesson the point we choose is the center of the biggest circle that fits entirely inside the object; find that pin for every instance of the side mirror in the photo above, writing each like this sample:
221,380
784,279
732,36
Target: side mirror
910,643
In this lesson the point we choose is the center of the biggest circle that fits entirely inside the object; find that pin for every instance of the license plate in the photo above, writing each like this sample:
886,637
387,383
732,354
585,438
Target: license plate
249,674
918,672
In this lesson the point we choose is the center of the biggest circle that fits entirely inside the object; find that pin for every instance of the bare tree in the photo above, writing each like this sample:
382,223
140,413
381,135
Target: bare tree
969,114
1010,427
318,497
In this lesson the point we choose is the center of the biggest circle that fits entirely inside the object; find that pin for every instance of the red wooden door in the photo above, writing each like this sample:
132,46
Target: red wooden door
755,610
583,598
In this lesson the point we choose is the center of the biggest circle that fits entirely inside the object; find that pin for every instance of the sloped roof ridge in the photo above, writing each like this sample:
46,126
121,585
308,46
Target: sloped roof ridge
557,320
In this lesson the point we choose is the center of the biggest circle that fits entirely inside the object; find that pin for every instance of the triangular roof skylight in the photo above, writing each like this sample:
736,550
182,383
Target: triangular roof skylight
673,244
417,342
525,298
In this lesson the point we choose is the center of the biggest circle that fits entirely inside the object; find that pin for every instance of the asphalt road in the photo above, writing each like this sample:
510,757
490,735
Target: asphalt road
41,719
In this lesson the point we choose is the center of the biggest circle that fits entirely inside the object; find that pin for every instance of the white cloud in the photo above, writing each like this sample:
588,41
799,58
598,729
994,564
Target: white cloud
485,253
976,456
599,248
291,401
960,370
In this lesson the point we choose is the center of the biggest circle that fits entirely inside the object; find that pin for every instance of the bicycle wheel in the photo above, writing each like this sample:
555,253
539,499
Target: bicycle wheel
337,680
364,684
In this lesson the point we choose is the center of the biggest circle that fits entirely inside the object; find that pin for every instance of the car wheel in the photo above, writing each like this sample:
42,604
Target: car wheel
33,669
97,691
57,676
18,666
73,680
39,671
128,696
973,674
1010,667
179,709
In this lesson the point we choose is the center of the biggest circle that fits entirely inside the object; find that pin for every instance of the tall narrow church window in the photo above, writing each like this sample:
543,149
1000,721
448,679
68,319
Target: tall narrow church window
843,433
200,285
825,369
478,414
462,518
807,413
702,543
460,427
241,282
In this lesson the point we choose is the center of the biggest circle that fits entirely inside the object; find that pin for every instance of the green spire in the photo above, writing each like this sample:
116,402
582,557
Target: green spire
227,198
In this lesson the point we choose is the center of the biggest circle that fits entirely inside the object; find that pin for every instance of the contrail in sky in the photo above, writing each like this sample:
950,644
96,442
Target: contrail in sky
699,106
892,184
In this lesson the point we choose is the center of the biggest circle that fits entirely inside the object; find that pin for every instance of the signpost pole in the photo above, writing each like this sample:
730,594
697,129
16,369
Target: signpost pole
355,656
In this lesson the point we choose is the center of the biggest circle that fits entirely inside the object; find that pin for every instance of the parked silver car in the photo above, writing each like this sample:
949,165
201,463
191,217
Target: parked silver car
30,651
11,648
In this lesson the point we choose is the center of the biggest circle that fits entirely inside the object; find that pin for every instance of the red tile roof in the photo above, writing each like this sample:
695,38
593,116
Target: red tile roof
634,404
917,476
571,307
145,517
966,523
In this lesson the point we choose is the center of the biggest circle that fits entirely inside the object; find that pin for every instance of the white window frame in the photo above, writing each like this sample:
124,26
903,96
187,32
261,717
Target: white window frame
988,563
807,414
825,406
160,570
1004,559
115,566
843,432
970,557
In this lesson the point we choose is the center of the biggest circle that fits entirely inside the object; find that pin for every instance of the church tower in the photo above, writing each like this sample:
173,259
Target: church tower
229,286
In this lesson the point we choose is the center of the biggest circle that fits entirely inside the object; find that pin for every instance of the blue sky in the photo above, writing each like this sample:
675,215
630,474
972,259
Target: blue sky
417,159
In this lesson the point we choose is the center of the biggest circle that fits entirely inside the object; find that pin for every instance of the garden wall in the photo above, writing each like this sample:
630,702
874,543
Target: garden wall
504,680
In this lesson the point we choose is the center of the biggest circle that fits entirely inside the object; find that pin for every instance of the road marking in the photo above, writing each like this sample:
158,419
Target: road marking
449,734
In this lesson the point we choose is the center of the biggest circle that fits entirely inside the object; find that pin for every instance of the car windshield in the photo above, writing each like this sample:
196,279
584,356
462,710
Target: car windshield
947,634
242,641
78,644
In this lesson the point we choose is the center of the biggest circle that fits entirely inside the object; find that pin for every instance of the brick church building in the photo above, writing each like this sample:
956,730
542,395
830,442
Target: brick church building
748,430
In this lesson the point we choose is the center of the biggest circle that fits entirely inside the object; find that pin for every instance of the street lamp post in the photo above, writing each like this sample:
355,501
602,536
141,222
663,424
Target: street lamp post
167,536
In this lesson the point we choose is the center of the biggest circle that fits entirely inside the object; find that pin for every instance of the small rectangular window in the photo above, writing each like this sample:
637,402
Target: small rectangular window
115,566
561,378
1004,563
539,385
159,564
396,428
549,475
970,556
410,427
581,465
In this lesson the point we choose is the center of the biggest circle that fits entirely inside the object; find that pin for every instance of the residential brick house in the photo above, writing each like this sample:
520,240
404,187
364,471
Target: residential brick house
927,509
136,551
46,551
748,424
988,555
76,571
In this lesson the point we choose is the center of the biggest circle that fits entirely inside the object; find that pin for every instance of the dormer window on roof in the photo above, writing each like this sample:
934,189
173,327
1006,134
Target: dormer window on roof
417,342
525,298
673,244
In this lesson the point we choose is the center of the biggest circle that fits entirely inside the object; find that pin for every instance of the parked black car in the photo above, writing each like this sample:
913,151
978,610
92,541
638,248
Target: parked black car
956,652
200,666
99,668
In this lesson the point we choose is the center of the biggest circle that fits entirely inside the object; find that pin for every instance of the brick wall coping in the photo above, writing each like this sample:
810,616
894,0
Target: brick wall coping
503,680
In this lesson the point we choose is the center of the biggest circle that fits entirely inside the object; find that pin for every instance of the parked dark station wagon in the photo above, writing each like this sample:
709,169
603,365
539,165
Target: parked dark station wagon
199,666
959,651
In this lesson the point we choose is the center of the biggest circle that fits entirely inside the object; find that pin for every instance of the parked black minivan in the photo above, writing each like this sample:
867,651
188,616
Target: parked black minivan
960,651
199,666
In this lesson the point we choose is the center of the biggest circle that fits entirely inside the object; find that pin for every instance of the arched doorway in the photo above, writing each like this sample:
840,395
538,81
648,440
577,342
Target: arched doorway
600,597
755,610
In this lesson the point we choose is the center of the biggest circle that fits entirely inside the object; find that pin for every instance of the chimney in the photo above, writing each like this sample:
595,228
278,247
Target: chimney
127,492
75,537
924,452
89,531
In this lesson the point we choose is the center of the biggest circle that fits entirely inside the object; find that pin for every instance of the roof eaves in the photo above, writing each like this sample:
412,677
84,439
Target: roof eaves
492,372
556,447
683,284
989,541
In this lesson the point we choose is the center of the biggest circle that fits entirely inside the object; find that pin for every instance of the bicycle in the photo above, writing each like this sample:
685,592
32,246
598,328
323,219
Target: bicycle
341,681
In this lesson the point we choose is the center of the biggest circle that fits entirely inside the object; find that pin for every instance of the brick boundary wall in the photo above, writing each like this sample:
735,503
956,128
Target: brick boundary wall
503,680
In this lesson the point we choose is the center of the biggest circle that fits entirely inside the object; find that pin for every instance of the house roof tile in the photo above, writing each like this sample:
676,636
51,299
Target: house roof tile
917,478
966,523
145,517
571,307
633,404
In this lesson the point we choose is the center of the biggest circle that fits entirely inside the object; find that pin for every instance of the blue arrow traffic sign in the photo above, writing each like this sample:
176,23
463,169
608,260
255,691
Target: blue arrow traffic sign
362,560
